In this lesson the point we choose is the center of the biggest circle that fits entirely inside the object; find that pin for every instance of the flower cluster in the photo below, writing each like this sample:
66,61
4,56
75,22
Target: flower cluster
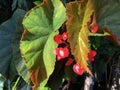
63,51
61,38
78,69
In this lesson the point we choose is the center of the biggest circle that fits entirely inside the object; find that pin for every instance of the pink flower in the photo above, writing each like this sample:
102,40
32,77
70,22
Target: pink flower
61,53
78,69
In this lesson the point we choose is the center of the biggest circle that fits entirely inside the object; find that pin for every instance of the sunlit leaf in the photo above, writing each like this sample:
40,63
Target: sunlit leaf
78,16
37,44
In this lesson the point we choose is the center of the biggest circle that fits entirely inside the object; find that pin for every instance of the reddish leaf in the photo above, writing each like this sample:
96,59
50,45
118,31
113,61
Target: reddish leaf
112,37
79,14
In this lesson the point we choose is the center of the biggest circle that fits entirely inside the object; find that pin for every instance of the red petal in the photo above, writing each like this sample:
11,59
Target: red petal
63,52
94,29
56,51
65,36
91,58
78,69
58,38
69,62
59,58
66,52
91,55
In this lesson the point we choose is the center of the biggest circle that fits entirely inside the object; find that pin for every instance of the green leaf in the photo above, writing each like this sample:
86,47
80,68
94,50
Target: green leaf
37,2
7,29
19,63
79,14
19,84
108,15
37,45
16,83
22,4
10,57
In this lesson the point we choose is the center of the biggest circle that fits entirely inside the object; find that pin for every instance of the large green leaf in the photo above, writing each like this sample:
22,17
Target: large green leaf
10,58
7,29
79,14
19,63
37,44
108,15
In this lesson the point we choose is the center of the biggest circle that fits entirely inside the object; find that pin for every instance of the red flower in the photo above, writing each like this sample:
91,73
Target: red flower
78,69
94,28
56,51
91,55
58,38
69,62
65,36
61,38
61,52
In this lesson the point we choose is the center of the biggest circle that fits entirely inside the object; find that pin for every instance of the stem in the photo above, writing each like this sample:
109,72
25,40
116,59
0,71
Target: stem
98,34
89,83
16,83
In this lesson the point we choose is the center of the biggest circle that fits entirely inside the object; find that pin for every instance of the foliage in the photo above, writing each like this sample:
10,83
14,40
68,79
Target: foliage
49,20
23,4
78,17
27,41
